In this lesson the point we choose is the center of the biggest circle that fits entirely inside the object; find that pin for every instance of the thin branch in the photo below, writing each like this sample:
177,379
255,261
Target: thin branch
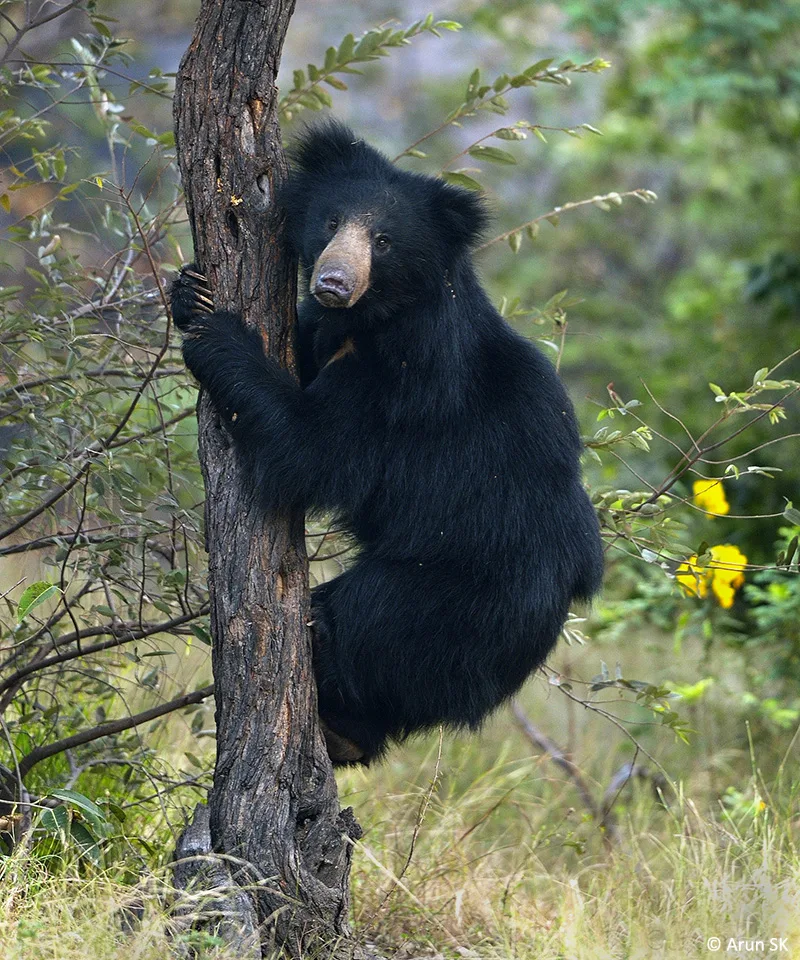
688,461
120,635
55,539
641,193
750,423
95,449
111,727
588,705
626,773
100,67
748,453
557,755
18,648
672,416
470,108
29,25
780,363
88,375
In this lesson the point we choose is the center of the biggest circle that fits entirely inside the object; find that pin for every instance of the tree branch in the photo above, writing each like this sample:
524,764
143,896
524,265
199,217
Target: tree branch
121,634
38,754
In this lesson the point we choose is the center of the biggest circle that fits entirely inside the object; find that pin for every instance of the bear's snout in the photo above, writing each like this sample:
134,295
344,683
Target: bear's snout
334,287
341,273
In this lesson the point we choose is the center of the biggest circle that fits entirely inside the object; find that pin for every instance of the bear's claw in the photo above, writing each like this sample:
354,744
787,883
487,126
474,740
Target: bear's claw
200,290
191,298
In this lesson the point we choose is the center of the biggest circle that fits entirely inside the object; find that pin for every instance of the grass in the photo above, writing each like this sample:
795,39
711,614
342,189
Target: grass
485,850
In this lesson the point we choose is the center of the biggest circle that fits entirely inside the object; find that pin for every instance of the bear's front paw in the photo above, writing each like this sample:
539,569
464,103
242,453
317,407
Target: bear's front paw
191,299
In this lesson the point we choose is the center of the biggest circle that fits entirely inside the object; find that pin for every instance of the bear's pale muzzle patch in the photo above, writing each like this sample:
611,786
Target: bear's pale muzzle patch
341,273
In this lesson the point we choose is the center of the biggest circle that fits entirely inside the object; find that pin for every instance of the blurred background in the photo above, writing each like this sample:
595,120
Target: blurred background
669,298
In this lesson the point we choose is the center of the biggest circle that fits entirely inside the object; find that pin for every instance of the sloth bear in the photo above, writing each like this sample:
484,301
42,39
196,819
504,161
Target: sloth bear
442,441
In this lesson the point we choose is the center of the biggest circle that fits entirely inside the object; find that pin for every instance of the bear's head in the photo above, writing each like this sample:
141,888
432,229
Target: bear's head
367,232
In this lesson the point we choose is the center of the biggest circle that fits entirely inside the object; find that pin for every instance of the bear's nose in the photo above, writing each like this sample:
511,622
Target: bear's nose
334,287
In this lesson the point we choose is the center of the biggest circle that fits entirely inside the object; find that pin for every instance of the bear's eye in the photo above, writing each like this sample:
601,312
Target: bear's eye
333,224
382,242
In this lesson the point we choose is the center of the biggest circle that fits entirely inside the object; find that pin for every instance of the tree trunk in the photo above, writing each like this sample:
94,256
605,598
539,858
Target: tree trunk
273,808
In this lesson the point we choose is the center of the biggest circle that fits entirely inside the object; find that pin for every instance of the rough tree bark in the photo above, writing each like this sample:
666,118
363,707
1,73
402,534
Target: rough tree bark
273,811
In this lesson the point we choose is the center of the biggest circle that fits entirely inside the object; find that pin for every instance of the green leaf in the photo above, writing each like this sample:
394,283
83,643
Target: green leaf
311,103
537,67
201,633
515,241
510,133
101,28
791,550
80,801
34,595
458,179
88,844
773,385
346,48
54,820
492,154
792,514
472,84
59,165
367,44
116,811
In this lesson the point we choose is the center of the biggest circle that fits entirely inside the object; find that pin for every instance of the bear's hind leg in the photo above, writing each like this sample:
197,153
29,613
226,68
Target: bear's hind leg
350,735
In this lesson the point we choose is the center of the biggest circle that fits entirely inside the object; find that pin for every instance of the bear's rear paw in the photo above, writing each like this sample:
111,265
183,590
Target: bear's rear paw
342,751
191,298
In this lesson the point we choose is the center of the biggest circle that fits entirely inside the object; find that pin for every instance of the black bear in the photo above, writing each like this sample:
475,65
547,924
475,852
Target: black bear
440,439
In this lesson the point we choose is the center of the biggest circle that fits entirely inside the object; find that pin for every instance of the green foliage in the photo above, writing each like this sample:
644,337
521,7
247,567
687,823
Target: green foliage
32,596
308,91
97,449
774,597
659,313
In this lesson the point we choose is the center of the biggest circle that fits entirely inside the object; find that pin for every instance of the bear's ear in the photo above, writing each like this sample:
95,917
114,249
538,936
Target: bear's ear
320,155
462,214
324,146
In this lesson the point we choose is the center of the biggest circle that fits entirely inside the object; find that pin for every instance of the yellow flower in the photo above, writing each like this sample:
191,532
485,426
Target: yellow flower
709,495
723,575
693,579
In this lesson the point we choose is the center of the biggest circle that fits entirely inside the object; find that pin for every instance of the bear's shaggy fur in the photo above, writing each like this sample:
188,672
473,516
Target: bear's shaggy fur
439,438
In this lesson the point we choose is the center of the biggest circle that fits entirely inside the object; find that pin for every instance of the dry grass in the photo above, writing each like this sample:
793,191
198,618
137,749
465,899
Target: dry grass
506,863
